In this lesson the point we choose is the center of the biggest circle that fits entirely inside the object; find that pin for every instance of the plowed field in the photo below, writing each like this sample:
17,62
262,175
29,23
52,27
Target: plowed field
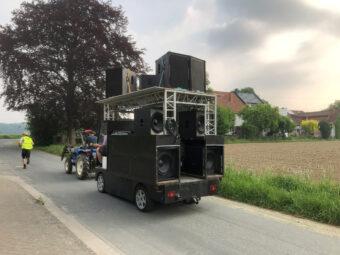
313,159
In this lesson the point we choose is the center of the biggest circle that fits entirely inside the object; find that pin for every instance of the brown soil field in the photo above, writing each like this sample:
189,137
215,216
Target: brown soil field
317,160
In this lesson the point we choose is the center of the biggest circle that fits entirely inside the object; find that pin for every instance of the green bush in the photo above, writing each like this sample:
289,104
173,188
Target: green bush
325,129
337,128
249,131
225,120
318,201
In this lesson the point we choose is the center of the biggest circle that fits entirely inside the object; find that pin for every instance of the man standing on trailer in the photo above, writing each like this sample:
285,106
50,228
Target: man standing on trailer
26,143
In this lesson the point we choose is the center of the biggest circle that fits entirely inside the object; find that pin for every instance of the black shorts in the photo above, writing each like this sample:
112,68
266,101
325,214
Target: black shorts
25,153
103,150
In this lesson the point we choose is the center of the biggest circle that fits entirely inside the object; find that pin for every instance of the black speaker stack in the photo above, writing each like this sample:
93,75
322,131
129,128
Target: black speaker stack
169,148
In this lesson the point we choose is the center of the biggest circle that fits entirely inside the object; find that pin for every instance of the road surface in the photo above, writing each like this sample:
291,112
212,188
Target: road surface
212,227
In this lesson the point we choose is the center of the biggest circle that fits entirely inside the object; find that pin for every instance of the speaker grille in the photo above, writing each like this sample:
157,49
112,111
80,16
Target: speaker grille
214,160
167,163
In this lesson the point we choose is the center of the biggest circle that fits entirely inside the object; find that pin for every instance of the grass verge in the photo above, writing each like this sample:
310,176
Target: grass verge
55,149
319,201
2,136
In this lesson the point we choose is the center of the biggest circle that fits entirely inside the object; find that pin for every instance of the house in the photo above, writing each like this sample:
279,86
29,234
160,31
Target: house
236,101
328,115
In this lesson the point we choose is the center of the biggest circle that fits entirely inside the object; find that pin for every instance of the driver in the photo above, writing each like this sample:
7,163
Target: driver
91,138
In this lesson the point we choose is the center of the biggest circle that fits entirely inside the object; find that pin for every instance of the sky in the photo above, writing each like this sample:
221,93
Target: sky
287,50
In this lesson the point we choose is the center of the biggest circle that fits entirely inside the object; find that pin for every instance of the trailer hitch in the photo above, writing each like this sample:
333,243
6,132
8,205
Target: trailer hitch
196,199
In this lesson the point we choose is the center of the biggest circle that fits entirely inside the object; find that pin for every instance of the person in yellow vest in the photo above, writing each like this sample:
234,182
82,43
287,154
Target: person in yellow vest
26,144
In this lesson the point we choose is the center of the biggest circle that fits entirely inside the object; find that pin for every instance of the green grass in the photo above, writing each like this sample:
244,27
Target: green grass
319,201
6,136
55,149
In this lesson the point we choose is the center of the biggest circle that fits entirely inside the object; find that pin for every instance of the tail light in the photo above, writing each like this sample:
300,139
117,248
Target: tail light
171,194
213,188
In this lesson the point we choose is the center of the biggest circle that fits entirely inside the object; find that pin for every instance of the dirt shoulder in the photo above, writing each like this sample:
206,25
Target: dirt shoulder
29,228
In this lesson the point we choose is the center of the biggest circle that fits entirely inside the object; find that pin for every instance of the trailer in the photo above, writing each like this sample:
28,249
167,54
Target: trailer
162,147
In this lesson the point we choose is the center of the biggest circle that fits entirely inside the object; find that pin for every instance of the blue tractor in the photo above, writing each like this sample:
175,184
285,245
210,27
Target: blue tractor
84,158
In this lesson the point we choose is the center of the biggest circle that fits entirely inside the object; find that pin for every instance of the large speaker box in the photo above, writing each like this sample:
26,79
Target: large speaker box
148,81
148,121
214,160
147,159
181,71
203,156
191,124
120,81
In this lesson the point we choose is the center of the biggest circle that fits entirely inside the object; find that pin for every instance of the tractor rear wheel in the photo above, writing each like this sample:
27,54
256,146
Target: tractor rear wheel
82,167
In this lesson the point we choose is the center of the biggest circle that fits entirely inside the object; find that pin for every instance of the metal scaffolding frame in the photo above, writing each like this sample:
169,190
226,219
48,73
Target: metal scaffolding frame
171,100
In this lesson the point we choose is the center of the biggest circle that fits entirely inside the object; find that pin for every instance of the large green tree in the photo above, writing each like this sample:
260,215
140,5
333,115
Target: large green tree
262,117
54,54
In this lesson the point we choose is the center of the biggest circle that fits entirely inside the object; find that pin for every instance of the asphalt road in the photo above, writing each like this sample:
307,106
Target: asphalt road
212,227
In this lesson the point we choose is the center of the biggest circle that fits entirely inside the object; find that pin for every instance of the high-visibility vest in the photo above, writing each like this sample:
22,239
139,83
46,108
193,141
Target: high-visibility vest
27,143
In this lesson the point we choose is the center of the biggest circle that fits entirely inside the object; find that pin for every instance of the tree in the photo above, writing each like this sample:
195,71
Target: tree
59,49
225,120
262,116
43,123
309,126
335,105
325,129
286,125
245,90
337,128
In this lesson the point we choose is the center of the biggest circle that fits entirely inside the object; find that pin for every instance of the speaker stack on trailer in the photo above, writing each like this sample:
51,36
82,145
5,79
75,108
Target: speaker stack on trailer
167,148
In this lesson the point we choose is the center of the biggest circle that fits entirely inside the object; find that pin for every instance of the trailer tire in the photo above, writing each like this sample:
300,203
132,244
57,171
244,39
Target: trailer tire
142,199
101,183
82,167
68,165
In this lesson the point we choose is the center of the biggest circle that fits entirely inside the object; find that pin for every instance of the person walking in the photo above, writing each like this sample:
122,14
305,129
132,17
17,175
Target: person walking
26,143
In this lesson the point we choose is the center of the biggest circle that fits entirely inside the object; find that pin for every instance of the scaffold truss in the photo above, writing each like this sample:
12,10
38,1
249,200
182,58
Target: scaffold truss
170,100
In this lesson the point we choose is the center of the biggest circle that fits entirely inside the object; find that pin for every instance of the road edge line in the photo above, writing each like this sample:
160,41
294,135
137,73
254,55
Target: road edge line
91,240
317,227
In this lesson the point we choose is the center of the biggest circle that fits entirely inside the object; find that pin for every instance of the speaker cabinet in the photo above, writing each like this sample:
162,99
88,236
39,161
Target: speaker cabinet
167,163
120,126
201,156
214,160
191,124
148,121
120,81
181,71
148,81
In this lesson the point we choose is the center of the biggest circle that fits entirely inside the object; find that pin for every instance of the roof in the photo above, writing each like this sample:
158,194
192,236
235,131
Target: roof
249,98
229,100
329,115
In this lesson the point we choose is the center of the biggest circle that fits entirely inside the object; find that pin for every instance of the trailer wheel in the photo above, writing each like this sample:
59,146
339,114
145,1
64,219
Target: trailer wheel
143,201
82,167
68,165
101,183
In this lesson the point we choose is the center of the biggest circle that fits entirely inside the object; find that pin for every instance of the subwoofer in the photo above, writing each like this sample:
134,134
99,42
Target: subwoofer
167,163
120,81
214,160
191,124
148,121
